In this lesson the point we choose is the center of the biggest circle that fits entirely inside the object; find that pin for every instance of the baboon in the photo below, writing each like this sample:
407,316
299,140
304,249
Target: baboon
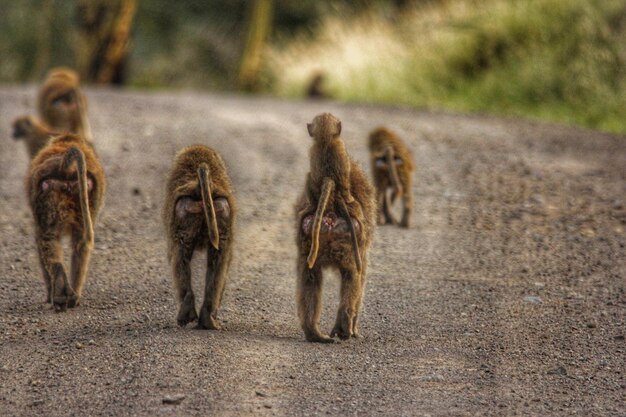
392,169
33,132
65,186
316,89
330,171
199,212
334,230
62,105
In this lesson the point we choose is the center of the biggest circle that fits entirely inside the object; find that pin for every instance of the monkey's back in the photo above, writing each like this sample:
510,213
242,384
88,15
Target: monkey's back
331,160
182,181
338,250
379,140
47,164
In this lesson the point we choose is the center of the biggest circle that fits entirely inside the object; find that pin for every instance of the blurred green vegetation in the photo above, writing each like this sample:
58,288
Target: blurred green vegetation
548,59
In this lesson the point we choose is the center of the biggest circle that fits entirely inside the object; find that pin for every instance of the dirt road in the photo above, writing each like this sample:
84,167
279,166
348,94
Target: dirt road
506,297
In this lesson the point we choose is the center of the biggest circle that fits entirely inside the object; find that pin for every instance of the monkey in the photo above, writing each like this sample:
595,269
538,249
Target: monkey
321,223
62,105
330,172
65,186
199,213
33,132
392,169
315,90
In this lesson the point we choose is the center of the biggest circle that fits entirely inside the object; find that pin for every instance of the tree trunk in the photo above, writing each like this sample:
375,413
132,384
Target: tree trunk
259,27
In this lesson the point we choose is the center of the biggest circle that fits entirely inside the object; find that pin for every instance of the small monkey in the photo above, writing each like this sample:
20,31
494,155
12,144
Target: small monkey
199,213
33,132
62,105
315,89
328,239
392,169
65,186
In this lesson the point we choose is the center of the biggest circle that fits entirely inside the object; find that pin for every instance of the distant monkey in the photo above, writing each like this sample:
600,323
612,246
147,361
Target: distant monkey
335,184
66,188
316,88
392,169
62,105
199,213
33,132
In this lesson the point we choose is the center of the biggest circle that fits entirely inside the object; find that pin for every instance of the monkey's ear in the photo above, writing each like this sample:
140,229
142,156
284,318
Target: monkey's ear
338,128
309,127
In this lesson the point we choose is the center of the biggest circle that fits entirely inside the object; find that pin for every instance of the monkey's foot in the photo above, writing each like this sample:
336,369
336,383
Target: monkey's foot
62,294
75,302
187,311
405,223
207,321
341,333
317,337
389,219
343,326
62,301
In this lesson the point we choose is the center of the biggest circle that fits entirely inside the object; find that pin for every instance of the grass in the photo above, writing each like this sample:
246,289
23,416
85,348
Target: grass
554,60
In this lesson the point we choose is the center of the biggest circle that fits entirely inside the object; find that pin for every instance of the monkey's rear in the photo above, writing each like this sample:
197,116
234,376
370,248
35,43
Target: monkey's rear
392,170
65,186
199,213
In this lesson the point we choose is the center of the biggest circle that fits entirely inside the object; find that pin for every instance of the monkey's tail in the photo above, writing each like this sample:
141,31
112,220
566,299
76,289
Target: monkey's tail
355,243
393,170
85,127
327,188
207,204
71,155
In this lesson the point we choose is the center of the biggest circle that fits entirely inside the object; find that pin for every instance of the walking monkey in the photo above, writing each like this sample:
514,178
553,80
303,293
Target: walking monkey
65,186
392,169
335,184
199,213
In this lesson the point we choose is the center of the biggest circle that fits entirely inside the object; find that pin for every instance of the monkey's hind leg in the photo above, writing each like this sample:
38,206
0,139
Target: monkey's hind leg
387,204
351,293
181,263
217,270
80,263
309,299
407,208
51,257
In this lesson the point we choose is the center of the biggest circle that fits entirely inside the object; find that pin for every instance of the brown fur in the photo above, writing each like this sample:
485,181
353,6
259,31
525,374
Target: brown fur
392,169
62,105
199,213
315,89
330,168
335,233
66,188
33,132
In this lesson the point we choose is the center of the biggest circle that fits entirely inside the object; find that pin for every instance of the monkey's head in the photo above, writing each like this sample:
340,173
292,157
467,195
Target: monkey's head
23,127
378,138
324,126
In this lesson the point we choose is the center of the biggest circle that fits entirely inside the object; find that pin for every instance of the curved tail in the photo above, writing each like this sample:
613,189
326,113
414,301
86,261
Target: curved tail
207,204
85,128
74,154
355,243
327,188
391,163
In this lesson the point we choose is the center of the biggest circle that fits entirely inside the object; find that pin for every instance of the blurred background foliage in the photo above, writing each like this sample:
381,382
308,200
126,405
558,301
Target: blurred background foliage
560,60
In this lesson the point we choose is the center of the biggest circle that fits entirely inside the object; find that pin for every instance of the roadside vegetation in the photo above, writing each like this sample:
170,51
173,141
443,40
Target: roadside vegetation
549,59
553,60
